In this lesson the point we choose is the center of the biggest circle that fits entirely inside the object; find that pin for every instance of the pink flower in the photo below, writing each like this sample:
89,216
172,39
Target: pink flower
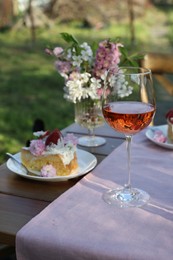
70,138
107,57
48,171
159,136
74,75
100,92
63,66
58,51
48,51
37,147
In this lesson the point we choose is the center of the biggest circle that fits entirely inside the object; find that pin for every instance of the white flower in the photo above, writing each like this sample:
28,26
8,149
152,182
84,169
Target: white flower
104,75
65,76
95,83
82,87
77,60
69,54
86,52
74,90
112,80
39,133
120,85
85,77
85,56
135,78
93,94
123,89
84,45
87,48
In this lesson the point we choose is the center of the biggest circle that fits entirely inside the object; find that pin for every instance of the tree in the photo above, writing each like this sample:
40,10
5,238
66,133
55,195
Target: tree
30,13
131,21
6,13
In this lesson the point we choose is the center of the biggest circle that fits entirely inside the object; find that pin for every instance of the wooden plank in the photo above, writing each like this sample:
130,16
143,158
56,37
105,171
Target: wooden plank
166,83
6,250
158,62
46,191
15,212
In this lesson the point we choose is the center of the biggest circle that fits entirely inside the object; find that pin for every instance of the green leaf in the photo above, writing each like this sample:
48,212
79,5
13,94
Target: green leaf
69,38
94,47
76,47
123,51
133,63
136,56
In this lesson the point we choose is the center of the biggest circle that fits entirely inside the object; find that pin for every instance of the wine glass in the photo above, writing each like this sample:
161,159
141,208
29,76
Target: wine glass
128,107
88,114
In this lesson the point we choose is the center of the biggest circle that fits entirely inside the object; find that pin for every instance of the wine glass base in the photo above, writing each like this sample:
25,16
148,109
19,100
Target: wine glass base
124,198
91,141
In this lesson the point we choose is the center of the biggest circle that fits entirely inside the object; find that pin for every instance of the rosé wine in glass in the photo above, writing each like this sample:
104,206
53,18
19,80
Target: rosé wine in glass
128,117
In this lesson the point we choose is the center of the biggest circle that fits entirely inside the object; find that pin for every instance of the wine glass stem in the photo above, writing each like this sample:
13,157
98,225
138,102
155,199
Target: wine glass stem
91,132
128,143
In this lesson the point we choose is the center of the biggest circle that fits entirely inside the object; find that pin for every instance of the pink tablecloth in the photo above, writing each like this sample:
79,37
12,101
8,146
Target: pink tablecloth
80,225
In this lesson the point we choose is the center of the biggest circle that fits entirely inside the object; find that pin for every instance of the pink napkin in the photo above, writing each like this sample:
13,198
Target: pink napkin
80,225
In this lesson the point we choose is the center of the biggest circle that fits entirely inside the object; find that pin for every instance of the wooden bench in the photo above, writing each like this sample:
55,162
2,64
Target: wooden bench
160,65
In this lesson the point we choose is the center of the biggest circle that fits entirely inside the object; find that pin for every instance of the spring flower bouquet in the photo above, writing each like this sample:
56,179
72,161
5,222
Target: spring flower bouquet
84,68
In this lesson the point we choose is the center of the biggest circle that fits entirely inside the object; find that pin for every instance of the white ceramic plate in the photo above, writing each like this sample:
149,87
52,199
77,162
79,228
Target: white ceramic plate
150,135
86,161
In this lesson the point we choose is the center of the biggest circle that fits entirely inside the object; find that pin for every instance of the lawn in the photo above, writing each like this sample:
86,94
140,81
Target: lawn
30,86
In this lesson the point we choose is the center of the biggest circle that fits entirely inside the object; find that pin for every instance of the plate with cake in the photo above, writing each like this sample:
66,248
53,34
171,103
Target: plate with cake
159,136
52,157
162,135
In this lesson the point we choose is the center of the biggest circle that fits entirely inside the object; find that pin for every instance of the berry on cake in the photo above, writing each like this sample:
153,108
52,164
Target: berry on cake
51,154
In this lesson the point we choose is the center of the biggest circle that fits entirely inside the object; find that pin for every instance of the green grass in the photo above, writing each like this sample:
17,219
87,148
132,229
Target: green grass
30,87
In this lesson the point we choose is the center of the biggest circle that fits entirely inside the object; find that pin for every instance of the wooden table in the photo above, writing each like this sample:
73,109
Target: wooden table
21,199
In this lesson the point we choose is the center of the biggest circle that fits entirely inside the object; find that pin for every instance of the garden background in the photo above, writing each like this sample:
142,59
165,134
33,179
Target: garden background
31,88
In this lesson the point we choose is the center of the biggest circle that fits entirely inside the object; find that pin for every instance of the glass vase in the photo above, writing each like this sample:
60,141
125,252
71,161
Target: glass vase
88,114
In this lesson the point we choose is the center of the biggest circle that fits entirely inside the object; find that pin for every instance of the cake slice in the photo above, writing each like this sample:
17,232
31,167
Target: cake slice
169,117
51,154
